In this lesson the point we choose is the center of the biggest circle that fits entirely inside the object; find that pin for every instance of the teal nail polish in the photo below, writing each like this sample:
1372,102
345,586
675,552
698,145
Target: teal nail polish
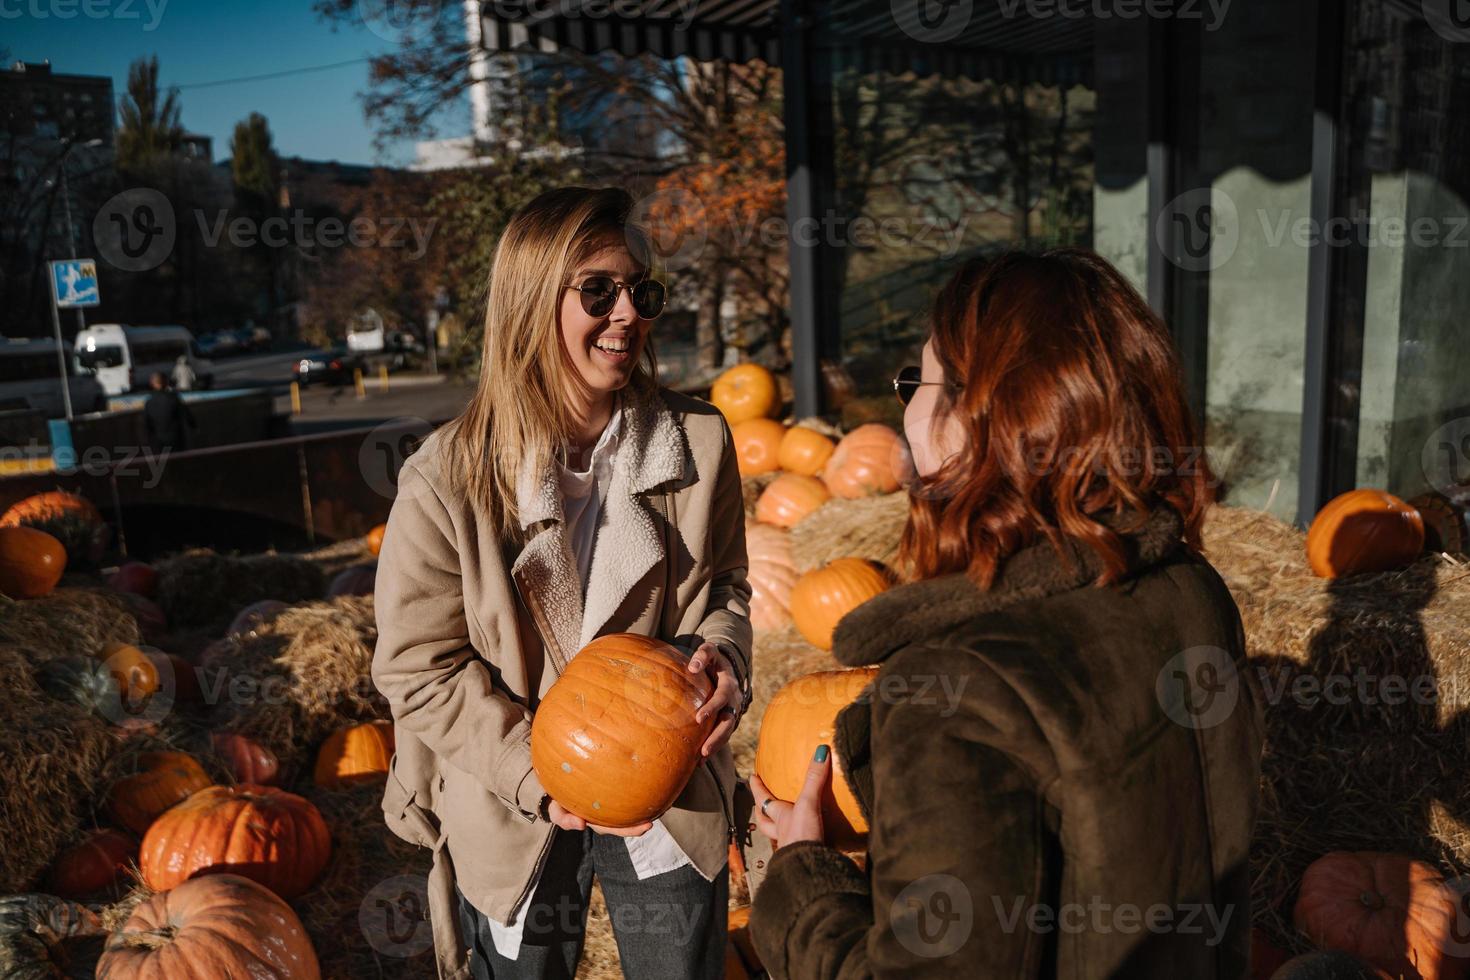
821,755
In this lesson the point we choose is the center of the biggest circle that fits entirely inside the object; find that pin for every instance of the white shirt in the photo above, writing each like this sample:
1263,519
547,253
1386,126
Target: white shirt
583,492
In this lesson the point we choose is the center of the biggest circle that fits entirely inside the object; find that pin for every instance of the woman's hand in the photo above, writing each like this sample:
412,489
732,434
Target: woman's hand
724,703
567,820
786,823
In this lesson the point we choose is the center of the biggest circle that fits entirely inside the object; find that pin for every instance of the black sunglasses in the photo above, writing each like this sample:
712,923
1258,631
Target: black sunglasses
600,295
909,381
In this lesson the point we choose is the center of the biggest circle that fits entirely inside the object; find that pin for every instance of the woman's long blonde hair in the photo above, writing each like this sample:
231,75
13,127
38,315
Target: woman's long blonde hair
520,414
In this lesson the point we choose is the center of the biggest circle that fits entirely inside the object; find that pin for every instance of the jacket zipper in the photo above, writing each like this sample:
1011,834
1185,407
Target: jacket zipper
515,909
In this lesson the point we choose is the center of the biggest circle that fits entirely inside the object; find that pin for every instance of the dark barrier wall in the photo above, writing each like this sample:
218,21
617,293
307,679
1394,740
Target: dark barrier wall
287,493
243,416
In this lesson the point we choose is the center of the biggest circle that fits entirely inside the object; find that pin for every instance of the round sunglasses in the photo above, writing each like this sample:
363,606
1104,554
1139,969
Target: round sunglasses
910,380
600,295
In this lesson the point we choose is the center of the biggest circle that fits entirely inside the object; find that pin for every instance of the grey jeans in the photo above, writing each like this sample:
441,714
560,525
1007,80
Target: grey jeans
671,926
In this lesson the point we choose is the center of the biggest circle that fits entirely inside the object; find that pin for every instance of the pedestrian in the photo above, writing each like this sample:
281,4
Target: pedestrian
1044,761
183,375
166,416
574,497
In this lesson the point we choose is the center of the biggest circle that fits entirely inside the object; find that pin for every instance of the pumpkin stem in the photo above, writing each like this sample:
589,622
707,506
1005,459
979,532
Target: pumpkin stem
1371,900
152,938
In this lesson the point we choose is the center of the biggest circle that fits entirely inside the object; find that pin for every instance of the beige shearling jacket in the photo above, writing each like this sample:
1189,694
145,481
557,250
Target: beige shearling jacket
470,637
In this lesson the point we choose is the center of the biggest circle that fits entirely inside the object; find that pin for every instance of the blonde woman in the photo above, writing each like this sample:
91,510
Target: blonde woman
573,498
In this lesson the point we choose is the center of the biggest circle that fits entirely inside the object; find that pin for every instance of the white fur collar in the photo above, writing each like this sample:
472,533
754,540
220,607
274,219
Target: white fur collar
652,450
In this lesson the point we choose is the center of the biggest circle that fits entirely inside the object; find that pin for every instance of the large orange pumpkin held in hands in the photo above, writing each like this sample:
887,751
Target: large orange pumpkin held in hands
746,391
789,499
265,834
217,926
757,444
615,739
357,754
1364,531
1388,909
31,562
801,716
822,597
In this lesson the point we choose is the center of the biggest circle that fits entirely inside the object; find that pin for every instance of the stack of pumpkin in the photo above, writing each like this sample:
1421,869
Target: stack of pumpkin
796,477
200,835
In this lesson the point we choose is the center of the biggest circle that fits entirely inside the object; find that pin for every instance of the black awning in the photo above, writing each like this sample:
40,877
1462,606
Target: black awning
990,39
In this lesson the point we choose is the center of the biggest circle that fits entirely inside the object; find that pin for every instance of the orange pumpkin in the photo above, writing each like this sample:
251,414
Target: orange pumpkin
249,761
771,576
822,597
263,833
869,460
221,925
789,498
357,754
1364,531
615,739
746,391
50,506
374,539
1390,910
801,716
163,779
138,675
31,562
757,442
805,451
91,865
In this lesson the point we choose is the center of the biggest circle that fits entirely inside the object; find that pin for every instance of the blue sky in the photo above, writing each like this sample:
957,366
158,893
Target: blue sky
316,115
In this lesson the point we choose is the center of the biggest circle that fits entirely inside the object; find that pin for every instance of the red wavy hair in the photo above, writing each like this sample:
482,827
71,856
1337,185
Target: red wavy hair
1075,419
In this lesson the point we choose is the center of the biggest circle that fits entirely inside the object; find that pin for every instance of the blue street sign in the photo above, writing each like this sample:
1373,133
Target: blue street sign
74,283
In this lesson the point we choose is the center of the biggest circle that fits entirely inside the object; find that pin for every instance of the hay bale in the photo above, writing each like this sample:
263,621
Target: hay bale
868,527
52,755
1370,763
751,488
305,674
69,622
202,589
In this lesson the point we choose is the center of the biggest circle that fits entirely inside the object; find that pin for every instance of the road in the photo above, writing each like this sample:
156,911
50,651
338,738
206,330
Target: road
324,409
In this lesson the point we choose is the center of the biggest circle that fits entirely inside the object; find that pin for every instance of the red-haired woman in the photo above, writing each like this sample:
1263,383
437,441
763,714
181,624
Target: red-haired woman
1059,757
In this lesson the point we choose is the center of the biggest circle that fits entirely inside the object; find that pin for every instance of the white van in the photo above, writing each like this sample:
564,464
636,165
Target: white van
30,378
125,357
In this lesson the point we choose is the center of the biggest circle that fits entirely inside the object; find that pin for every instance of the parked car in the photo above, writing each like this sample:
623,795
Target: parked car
260,338
334,366
221,343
